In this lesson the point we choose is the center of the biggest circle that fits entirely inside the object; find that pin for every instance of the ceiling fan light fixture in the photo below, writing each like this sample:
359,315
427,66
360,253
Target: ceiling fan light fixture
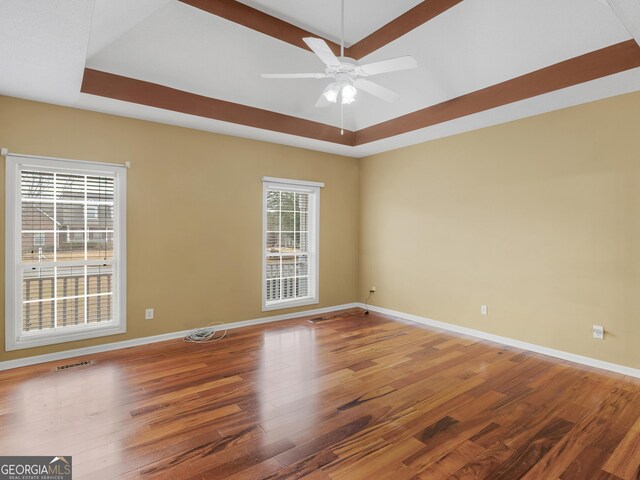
347,75
331,92
349,93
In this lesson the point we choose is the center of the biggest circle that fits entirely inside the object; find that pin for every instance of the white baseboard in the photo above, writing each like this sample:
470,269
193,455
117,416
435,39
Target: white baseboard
22,362
591,362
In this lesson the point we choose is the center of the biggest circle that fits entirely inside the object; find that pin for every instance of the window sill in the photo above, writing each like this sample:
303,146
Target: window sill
282,305
39,339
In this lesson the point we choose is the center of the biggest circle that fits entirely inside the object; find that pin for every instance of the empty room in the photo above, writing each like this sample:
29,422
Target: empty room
320,239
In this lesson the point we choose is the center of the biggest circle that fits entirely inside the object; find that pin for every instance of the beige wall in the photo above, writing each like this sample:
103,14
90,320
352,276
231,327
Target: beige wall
194,214
539,219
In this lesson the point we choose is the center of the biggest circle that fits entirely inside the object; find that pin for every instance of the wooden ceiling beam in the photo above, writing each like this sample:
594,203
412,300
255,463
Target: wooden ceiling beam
600,63
127,89
584,68
414,18
591,66
254,19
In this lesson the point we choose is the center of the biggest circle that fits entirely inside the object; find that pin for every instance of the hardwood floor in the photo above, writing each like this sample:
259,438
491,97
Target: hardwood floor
347,397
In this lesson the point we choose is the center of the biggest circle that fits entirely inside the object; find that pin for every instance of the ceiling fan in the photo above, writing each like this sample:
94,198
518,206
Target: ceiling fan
348,76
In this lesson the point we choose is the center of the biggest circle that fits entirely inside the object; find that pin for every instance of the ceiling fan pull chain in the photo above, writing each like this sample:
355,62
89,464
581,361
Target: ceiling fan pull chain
342,55
348,75
342,33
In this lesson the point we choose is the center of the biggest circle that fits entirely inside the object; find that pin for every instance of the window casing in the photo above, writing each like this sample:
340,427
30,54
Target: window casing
290,243
65,251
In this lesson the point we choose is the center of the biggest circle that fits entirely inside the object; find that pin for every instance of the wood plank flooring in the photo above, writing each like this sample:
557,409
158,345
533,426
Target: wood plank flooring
346,396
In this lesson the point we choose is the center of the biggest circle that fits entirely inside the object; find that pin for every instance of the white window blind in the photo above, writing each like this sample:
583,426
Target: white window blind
290,259
67,251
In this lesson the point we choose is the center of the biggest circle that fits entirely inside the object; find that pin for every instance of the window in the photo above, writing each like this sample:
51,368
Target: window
65,251
93,212
38,239
291,218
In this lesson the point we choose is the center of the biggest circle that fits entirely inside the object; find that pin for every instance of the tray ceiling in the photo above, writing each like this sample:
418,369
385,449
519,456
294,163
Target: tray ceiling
197,63
362,17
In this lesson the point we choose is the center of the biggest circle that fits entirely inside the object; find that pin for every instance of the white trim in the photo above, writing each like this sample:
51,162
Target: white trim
571,357
283,305
107,347
15,339
313,248
11,267
70,334
5,153
288,181
591,362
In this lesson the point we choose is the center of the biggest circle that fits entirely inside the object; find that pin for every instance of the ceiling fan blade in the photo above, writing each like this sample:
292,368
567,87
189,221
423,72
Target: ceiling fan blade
387,66
377,90
322,50
293,75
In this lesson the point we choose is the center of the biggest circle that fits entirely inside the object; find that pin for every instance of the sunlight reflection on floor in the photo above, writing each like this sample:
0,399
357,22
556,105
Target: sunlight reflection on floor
287,358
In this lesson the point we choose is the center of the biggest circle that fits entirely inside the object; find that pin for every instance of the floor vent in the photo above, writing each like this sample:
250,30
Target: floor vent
85,363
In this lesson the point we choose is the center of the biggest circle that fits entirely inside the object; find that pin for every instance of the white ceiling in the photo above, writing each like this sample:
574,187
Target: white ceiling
480,43
113,18
46,44
362,17
43,47
210,56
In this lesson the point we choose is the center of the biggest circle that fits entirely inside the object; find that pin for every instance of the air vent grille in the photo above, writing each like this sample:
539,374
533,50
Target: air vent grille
84,363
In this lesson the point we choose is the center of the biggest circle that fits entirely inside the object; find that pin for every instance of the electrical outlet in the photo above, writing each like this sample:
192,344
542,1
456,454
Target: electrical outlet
484,310
372,290
598,332
148,314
